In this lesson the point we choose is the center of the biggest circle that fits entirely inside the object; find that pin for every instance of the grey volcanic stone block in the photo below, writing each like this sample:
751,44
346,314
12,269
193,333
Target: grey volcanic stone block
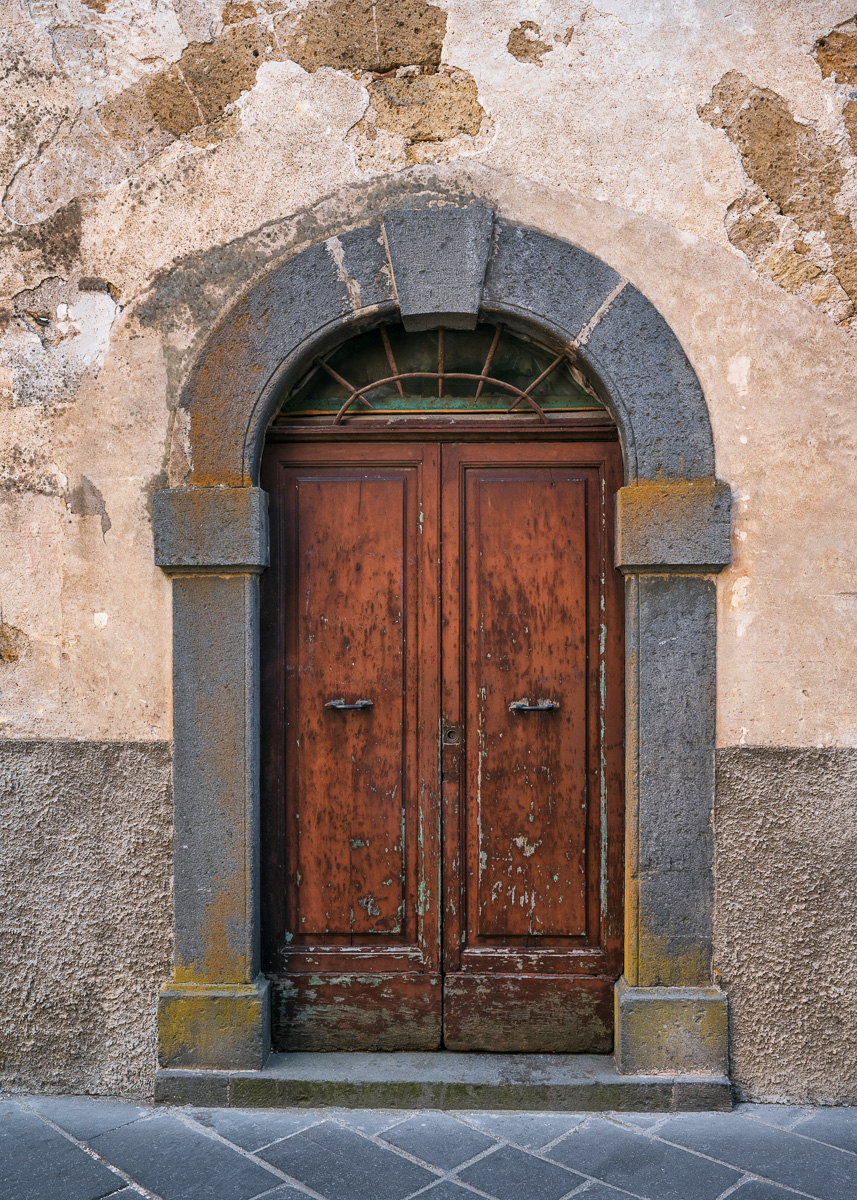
215,647
222,527
438,258
545,279
672,638
654,390
676,526
446,1080
671,1029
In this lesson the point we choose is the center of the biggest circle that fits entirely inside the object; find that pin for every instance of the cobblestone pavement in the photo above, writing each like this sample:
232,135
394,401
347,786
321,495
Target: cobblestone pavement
78,1148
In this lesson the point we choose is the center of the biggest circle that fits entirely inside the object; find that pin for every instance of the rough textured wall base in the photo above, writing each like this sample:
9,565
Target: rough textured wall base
85,912
786,910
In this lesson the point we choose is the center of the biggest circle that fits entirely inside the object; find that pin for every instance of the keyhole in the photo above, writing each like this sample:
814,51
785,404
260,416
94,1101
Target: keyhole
451,735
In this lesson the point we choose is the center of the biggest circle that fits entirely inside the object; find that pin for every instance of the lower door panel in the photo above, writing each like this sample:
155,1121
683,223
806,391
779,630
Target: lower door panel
560,1014
357,1012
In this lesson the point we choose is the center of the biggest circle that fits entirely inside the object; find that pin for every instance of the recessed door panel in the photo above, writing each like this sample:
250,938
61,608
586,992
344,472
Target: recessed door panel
346,712
525,660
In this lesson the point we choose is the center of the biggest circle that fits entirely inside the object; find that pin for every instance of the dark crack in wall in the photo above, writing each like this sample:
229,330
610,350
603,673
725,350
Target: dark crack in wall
793,220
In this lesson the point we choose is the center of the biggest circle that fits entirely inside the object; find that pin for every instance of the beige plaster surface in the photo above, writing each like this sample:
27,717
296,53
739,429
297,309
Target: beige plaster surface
119,250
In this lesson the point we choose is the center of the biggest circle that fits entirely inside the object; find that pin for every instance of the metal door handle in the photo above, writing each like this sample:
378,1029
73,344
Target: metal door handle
340,704
525,706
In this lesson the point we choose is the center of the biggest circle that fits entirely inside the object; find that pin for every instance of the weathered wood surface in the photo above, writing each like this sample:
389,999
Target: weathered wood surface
509,1014
532,800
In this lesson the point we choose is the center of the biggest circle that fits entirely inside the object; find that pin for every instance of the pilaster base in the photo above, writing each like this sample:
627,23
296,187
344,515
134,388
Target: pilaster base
222,1027
671,1030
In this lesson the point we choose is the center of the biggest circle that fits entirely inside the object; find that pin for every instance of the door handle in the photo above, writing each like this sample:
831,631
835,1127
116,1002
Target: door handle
542,706
340,704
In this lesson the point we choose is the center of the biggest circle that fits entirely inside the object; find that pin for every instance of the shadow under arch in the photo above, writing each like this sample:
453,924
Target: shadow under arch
433,266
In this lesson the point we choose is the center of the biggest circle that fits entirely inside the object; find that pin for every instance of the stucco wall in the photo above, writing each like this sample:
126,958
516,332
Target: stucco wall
85,899
785,832
158,157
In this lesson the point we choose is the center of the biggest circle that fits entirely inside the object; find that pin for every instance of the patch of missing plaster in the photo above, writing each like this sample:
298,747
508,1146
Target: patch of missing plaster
419,110
102,145
86,500
54,335
14,643
525,43
233,13
363,35
793,220
417,116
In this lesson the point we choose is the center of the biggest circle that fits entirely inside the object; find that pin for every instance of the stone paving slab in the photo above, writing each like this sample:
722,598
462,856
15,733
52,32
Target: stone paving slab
83,1148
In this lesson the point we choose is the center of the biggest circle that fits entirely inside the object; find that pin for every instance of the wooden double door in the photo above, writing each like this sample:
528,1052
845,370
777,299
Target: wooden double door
442,745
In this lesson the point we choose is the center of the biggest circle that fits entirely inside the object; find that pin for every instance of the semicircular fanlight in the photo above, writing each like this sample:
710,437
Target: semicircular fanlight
443,372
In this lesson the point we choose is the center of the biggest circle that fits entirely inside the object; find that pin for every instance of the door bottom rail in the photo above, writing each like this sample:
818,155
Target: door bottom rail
444,1079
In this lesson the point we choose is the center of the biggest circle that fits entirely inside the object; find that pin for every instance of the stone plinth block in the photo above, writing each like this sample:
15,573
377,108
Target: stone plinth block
224,1027
211,528
438,257
671,1030
673,526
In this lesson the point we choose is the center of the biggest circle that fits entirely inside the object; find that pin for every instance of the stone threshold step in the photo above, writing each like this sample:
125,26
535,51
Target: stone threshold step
446,1080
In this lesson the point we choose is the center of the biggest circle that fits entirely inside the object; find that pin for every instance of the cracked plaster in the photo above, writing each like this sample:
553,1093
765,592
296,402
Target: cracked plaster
149,236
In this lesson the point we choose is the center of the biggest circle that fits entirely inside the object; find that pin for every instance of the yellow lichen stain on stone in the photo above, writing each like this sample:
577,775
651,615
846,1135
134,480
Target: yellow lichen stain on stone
222,961
525,43
796,194
202,1026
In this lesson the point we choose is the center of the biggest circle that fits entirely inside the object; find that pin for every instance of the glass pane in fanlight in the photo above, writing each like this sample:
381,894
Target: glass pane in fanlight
403,376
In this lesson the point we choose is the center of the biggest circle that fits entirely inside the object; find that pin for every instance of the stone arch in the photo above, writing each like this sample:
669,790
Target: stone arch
445,265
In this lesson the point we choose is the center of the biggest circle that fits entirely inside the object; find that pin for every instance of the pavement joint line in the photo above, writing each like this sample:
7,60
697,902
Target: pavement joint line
259,1149
517,1112
540,1154
806,1138
214,1136
799,1120
339,1119
460,1182
733,1188
733,1166
92,1153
